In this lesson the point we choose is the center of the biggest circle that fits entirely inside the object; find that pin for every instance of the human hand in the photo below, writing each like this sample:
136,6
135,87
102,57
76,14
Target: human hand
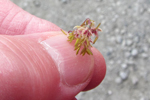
43,65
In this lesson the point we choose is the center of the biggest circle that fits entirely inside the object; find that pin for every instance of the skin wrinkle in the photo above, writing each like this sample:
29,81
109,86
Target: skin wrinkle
43,71
37,77
14,53
35,26
2,54
38,25
25,28
2,16
28,70
22,28
31,50
18,49
37,55
7,15
27,45
11,32
42,24
34,71
12,20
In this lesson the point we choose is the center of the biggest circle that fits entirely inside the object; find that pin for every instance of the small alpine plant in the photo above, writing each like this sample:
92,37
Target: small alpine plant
82,35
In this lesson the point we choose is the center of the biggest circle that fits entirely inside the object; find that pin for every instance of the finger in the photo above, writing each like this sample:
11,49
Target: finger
42,67
99,70
15,21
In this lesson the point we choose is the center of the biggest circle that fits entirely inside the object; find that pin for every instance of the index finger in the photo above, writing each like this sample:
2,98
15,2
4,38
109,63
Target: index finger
16,21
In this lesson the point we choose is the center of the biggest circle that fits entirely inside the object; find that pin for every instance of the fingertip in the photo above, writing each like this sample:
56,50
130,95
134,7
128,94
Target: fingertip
74,69
99,70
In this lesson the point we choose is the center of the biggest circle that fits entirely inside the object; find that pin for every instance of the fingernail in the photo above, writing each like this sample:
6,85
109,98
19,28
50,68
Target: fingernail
74,69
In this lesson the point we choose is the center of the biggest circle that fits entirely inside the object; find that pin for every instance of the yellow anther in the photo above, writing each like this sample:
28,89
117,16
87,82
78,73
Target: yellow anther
89,51
95,40
98,26
63,32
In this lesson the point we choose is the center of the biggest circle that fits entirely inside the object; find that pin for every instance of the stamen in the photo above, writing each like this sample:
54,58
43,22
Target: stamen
98,26
89,51
77,41
63,32
83,50
77,50
83,53
95,40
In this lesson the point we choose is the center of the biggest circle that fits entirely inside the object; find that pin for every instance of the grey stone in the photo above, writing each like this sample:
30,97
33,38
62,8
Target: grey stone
124,66
127,54
118,80
37,3
129,42
25,4
123,75
135,80
109,92
145,48
119,39
134,52
64,1
123,31
143,98
144,55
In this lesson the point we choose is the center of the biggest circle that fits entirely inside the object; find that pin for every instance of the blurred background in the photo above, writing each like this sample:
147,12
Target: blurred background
124,42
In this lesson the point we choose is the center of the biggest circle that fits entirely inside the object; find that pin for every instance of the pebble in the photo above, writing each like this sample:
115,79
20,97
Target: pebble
124,66
134,52
130,62
127,54
148,10
123,75
143,98
135,80
123,31
130,35
136,39
144,55
119,39
112,39
118,80
111,62
117,29
25,4
98,10
145,48
129,42
123,12
118,3
63,1
109,92
37,3
109,53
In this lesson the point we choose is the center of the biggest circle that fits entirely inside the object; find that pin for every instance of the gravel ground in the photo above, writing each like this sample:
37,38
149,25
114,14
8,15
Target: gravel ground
124,42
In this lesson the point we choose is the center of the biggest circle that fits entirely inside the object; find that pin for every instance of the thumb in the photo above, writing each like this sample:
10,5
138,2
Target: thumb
42,67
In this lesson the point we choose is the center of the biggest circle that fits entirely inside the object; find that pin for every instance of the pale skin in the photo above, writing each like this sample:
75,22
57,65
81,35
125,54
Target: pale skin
29,69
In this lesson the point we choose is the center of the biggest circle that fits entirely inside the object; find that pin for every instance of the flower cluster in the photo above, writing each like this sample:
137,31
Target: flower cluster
82,34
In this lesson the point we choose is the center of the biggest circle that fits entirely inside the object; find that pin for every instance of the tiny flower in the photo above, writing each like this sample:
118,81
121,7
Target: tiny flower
82,34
